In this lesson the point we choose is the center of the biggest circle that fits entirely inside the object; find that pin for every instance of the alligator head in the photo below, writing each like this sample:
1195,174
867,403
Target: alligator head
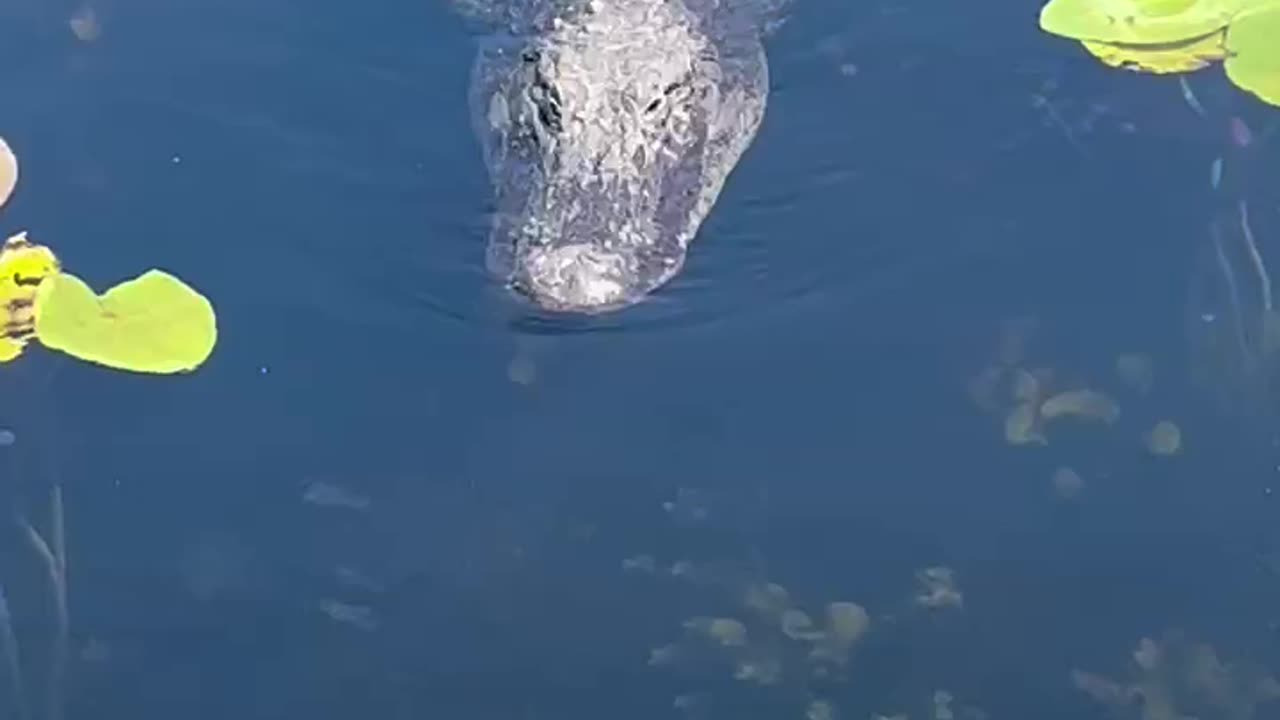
608,134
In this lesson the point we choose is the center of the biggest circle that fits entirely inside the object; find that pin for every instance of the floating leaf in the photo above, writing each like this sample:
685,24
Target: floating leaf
1179,57
1175,36
10,349
1137,22
23,268
1253,41
8,172
154,323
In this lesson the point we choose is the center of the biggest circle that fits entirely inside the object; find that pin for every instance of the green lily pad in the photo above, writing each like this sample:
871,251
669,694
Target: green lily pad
154,323
1180,57
1138,22
1253,41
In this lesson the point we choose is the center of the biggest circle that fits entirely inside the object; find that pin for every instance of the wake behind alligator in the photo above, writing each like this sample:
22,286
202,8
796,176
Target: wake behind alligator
609,128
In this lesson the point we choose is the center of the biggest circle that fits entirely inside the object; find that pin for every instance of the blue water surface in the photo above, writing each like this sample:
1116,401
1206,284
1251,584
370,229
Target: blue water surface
926,172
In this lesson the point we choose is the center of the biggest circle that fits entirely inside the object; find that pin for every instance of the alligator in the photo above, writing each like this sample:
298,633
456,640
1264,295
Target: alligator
608,128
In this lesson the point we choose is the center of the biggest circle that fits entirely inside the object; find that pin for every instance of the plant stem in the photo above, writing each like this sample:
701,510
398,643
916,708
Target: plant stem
55,562
12,654
62,637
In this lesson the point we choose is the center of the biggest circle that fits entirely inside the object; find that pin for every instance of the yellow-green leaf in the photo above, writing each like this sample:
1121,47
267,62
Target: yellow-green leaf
24,266
10,349
154,323
1253,41
1165,58
1138,22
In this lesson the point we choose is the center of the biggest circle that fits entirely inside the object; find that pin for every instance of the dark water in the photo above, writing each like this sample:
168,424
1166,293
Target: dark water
925,172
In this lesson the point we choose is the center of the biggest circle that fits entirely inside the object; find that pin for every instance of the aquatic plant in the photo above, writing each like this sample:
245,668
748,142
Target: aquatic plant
154,323
1234,328
1174,677
1178,36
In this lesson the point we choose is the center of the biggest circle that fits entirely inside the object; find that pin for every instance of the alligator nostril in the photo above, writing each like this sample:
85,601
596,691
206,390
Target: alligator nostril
579,277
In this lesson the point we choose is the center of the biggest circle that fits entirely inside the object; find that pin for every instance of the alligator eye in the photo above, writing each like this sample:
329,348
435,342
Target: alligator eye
546,99
666,93
549,115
